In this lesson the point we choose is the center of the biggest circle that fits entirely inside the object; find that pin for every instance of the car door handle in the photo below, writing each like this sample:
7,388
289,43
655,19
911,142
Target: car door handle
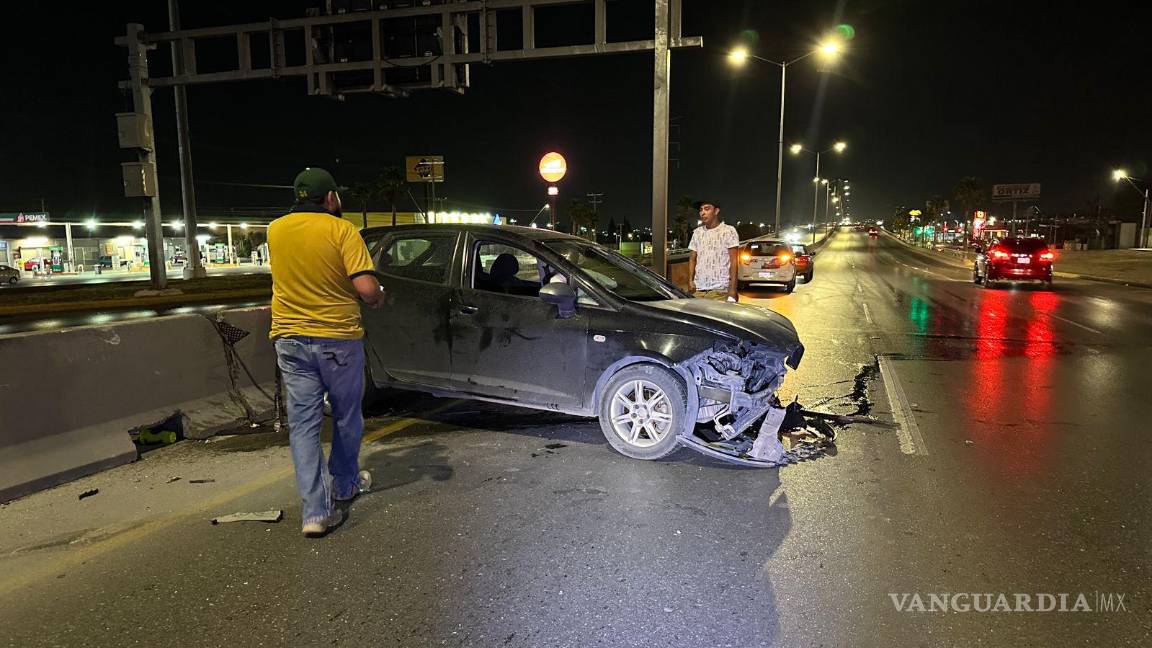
469,310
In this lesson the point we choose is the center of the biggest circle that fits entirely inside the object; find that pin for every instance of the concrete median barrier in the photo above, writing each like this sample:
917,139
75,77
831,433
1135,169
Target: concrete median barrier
74,395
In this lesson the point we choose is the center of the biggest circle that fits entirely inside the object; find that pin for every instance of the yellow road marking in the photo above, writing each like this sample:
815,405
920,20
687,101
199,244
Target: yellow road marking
83,553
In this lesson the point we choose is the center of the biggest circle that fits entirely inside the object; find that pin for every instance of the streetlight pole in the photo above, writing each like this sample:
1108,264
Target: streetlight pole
1144,221
1120,174
797,149
738,57
815,197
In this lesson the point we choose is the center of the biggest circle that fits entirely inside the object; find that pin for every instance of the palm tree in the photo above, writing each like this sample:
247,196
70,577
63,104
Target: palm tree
390,185
363,193
683,219
969,195
581,216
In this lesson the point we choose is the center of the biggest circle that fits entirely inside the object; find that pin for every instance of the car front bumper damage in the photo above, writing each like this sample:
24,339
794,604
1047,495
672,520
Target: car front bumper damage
740,418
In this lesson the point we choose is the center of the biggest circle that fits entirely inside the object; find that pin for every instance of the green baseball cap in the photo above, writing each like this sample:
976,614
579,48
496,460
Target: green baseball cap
313,182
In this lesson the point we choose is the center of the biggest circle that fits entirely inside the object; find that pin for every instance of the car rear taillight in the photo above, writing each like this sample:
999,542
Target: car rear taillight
999,254
784,258
745,257
1047,255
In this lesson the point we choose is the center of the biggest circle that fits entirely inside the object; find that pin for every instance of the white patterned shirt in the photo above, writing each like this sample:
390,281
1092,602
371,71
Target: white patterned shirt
713,261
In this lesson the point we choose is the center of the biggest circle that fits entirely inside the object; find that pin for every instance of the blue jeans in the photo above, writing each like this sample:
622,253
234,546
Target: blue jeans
311,367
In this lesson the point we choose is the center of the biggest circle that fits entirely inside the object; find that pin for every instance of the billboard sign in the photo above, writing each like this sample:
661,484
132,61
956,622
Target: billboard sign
424,168
1016,192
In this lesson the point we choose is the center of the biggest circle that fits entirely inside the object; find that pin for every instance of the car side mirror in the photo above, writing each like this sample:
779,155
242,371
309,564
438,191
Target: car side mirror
561,296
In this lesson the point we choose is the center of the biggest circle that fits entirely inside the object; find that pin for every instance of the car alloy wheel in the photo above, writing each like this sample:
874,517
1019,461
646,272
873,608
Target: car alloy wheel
641,410
641,413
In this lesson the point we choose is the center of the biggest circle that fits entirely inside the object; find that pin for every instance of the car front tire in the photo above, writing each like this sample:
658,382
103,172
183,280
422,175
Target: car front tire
642,410
12,281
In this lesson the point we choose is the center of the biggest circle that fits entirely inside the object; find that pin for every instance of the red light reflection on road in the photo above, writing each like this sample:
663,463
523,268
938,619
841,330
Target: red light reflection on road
1010,395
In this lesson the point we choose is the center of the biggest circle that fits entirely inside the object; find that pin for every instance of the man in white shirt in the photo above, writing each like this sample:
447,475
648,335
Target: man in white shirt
715,252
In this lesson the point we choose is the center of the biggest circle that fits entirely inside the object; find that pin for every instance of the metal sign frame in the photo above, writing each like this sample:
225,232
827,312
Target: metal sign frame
449,70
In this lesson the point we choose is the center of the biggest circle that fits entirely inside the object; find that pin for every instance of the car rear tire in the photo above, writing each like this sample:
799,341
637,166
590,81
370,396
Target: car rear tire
808,277
642,410
741,285
790,286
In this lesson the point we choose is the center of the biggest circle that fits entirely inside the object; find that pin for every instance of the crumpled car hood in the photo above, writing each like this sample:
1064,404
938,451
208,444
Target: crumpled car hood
742,321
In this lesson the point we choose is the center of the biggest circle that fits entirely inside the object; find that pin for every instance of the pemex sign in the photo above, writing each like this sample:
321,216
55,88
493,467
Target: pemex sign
8,218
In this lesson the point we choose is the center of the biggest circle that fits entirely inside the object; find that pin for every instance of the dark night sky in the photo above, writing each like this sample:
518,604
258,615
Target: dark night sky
1008,91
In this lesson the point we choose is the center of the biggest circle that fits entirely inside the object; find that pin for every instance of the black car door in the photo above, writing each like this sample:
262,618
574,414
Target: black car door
506,342
407,338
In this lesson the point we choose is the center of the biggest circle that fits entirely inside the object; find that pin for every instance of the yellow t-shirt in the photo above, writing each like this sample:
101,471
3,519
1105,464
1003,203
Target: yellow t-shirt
314,257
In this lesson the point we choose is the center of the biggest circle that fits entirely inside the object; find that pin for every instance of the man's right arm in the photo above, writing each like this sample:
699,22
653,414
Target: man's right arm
360,268
369,289
692,271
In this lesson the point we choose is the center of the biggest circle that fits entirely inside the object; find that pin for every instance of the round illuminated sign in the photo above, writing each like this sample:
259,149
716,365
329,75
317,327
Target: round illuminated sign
553,166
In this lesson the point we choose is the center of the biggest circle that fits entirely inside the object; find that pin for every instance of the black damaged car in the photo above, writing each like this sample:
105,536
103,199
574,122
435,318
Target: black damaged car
539,319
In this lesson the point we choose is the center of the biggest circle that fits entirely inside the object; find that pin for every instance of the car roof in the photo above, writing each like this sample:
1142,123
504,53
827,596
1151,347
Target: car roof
537,234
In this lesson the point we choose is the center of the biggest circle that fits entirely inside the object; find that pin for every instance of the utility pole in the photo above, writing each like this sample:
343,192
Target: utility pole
146,155
595,199
194,266
780,148
662,75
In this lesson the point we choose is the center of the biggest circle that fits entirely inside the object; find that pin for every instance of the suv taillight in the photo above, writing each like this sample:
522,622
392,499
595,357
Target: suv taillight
999,254
1047,255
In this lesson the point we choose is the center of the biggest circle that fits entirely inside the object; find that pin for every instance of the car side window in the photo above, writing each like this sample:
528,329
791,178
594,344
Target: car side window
506,269
423,257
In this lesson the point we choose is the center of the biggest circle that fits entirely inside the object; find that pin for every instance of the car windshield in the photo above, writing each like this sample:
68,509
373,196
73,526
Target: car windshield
615,273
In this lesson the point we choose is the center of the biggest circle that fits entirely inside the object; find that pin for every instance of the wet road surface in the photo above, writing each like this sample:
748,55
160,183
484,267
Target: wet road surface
1022,466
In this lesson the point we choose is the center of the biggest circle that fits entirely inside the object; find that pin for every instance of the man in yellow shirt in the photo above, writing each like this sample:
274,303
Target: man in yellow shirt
320,266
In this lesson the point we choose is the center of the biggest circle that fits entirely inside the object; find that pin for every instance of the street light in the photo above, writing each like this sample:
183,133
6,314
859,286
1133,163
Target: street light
1121,174
829,49
797,149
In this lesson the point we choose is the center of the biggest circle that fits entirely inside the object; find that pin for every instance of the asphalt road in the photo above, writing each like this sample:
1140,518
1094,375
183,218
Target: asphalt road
1021,467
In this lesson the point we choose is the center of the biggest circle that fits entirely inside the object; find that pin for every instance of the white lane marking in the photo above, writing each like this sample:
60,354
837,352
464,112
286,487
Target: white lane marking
907,432
1077,324
867,315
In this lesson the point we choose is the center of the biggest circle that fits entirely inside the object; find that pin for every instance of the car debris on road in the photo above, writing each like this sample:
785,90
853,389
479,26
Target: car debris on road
259,516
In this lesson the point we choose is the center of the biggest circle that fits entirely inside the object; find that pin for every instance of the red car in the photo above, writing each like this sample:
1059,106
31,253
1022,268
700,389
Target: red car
1014,259
805,265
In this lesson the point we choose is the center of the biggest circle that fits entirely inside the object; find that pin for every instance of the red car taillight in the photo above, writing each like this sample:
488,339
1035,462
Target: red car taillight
745,258
1047,255
999,254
